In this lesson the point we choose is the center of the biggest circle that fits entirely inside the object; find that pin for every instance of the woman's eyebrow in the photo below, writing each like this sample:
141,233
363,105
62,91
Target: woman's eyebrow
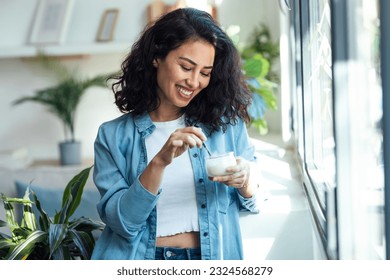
193,62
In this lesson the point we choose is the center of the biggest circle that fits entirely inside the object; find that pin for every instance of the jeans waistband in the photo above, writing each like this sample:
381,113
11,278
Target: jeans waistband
171,253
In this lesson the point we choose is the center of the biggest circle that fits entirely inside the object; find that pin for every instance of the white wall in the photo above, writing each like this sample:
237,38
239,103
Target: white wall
30,125
248,14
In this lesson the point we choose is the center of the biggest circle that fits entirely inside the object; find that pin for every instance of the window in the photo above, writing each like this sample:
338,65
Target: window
313,107
337,111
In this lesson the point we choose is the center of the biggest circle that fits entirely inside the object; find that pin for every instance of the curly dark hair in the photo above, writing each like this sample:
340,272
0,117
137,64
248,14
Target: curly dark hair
222,102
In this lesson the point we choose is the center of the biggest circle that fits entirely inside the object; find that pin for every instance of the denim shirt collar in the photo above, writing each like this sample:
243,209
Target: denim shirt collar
144,124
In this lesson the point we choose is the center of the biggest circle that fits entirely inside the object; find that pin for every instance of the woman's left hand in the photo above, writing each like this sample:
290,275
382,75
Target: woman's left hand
239,176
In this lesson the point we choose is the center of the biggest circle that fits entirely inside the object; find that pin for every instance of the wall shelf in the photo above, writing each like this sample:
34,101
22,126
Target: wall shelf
64,50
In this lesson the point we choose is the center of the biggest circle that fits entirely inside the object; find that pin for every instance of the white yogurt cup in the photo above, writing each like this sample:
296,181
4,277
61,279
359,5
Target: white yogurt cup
216,165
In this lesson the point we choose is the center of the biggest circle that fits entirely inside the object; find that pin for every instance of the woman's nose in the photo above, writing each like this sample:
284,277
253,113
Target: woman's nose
193,81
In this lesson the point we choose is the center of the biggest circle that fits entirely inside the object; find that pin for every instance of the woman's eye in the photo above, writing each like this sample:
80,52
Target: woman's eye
205,74
185,68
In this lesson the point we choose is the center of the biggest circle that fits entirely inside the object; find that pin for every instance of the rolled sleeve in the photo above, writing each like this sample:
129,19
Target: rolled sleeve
136,204
125,204
248,204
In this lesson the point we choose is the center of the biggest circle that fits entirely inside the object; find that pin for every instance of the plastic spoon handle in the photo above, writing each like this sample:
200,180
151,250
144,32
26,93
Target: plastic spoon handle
204,145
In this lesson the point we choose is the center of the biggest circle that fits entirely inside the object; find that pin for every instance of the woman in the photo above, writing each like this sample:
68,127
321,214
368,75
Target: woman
181,87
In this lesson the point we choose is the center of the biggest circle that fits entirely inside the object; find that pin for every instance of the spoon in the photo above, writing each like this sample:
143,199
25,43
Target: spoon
204,145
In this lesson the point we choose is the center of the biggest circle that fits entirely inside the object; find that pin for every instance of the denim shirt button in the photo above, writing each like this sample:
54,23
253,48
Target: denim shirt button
195,155
201,180
203,206
205,234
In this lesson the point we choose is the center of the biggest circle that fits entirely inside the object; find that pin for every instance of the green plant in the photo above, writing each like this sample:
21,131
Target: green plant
50,238
261,42
263,96
63,98
257,57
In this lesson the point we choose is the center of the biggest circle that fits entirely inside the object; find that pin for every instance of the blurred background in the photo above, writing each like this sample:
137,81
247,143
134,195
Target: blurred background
319,78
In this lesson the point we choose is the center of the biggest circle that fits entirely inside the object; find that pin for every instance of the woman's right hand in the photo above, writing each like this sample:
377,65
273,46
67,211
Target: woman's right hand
178,142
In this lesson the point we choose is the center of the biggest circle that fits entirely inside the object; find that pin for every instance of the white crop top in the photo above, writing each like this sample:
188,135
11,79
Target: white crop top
176,208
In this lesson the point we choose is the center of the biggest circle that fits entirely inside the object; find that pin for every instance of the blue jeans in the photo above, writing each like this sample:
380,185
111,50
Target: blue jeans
169,253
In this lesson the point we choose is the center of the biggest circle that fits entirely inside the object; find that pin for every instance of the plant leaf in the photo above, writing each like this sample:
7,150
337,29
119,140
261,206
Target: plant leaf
6,245
57,233
44,219
9,213
24,249
21,233
86,224
29,219
83,242
269,98
261,125
256,66
72,196
60,254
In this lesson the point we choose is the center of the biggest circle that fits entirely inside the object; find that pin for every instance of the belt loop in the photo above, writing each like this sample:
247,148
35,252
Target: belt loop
188,252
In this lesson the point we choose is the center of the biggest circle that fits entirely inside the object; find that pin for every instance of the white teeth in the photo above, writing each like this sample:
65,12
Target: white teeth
185,92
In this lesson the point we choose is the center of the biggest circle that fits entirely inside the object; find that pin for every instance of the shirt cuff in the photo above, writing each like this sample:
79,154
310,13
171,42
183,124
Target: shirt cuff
248,204
140,201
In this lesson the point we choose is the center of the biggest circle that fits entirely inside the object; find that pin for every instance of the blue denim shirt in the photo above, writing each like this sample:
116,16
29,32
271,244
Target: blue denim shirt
129,210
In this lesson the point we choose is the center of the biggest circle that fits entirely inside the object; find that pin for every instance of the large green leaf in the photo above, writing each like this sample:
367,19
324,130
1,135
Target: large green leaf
256,66
269,98
57,233
29,219
6,243
62,216
261,125
83,241
9,213
24,248
61,253
44,219
72,196
21,233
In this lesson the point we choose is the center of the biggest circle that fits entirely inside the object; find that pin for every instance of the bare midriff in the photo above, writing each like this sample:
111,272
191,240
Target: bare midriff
180,240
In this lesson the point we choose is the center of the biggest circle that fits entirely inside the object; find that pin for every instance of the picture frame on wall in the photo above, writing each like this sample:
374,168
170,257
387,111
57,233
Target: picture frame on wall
51,21
107,25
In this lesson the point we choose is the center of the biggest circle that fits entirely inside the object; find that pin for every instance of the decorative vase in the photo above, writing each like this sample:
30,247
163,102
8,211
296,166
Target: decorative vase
70,152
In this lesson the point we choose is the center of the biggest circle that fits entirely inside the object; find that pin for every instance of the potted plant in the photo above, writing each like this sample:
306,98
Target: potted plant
44,237
62,100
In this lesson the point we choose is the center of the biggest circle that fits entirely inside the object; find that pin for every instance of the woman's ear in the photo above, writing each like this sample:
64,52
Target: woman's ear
155,63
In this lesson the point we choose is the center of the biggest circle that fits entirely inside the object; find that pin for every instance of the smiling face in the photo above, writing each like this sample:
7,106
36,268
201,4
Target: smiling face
181,75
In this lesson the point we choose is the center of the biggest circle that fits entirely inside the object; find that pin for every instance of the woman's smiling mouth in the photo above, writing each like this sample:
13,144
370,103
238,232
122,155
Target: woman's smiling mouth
184,91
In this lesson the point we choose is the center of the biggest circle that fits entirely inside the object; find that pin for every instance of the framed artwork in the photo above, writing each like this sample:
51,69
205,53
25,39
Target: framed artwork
51,21
107,25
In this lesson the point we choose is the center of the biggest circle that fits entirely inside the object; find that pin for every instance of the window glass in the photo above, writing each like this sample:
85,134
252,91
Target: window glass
319,137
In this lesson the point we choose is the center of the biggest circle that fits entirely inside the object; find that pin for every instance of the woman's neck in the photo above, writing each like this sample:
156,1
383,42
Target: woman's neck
159,116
